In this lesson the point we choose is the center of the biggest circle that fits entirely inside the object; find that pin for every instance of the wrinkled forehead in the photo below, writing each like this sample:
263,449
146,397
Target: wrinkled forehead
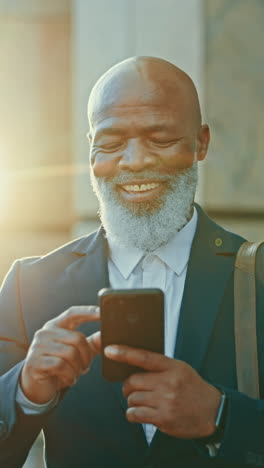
129,92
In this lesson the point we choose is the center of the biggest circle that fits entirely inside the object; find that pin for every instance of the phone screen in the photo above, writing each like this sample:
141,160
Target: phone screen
133,317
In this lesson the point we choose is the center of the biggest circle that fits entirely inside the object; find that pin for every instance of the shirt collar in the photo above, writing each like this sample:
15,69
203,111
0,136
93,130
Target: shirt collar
174,253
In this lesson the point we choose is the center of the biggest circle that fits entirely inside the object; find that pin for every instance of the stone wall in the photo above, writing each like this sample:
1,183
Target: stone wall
234,100
35,118
36,127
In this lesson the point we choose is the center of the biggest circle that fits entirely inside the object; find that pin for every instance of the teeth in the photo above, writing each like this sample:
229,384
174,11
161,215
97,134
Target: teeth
140,188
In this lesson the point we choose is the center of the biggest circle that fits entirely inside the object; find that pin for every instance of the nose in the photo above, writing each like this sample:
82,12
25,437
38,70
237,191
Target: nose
136,157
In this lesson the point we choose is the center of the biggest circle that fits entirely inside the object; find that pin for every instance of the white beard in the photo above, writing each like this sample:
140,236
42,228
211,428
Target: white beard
146,225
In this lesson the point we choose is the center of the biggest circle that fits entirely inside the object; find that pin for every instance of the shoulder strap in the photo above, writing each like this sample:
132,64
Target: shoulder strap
245,319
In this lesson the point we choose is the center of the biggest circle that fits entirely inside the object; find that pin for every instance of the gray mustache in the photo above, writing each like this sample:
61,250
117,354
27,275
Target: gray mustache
126,178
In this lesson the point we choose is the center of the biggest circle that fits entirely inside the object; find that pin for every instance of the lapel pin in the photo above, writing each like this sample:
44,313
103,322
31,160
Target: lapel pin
218,242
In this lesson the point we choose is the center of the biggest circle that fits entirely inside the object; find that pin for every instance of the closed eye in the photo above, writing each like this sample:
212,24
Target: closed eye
164,143
111,147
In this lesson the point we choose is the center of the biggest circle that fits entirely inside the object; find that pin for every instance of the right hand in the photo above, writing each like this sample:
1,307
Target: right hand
59,354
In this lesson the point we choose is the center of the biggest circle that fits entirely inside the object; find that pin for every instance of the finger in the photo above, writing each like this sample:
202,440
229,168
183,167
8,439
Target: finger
78,340
56,367
146,399
143,381
142,414
45,339
68,353
86,349
138,357
76,315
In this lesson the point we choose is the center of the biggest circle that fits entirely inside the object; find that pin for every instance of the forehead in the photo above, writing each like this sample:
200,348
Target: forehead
136,96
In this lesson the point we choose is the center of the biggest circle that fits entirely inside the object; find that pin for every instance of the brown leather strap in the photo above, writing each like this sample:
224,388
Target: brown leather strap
245,319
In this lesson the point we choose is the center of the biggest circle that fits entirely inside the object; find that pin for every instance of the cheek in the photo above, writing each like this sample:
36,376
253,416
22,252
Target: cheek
182,158
103,165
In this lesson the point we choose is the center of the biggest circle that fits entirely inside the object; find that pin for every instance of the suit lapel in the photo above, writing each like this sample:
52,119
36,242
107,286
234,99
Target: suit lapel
92,272
89,274
210,268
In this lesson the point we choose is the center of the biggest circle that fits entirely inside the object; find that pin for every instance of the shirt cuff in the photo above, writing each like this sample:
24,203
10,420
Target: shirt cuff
28,407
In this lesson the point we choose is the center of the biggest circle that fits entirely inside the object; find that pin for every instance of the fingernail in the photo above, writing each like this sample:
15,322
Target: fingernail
112,351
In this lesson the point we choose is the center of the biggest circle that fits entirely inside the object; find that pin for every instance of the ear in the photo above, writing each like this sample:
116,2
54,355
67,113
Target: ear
203,140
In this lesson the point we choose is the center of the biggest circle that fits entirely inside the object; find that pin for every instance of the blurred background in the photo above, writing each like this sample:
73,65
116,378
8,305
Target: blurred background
53,51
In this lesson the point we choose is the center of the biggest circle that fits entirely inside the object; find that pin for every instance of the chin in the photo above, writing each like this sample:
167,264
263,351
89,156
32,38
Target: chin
142,208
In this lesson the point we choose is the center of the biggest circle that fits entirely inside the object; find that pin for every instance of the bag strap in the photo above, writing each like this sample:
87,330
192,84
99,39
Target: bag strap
245,319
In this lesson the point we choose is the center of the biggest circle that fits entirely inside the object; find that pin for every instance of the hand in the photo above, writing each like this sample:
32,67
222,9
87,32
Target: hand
59,354
171,395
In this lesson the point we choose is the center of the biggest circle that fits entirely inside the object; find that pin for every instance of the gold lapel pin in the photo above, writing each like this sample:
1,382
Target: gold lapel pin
218,242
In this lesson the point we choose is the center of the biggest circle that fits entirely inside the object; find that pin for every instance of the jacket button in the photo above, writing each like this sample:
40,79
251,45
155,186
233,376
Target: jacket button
3,429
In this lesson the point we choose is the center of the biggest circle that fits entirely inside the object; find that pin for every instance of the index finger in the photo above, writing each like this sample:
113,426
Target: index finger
76,315
147,360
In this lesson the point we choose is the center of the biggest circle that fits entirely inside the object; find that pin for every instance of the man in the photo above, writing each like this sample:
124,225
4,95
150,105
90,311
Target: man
146,139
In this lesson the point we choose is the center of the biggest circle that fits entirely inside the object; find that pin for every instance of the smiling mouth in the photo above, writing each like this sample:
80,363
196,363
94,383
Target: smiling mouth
141,192
140,187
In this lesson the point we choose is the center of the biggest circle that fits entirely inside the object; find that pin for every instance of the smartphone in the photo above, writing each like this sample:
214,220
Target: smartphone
133,317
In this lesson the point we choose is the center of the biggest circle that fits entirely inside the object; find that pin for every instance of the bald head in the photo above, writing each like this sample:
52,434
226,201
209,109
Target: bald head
139,81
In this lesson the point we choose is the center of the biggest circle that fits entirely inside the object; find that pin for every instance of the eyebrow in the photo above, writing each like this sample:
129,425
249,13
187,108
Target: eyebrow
110,131
119,131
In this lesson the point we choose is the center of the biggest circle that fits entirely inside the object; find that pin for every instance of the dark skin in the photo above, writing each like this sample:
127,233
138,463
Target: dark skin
59,354
144,115
171,394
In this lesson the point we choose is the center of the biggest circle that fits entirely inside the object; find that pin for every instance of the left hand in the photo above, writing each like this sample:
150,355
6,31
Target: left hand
171,395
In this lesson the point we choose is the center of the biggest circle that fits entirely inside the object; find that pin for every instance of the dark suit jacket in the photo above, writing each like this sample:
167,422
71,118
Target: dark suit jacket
88,428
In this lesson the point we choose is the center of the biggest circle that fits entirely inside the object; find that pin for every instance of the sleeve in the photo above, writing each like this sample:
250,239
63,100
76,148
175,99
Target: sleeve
28,407
15,441
243,439
13,337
